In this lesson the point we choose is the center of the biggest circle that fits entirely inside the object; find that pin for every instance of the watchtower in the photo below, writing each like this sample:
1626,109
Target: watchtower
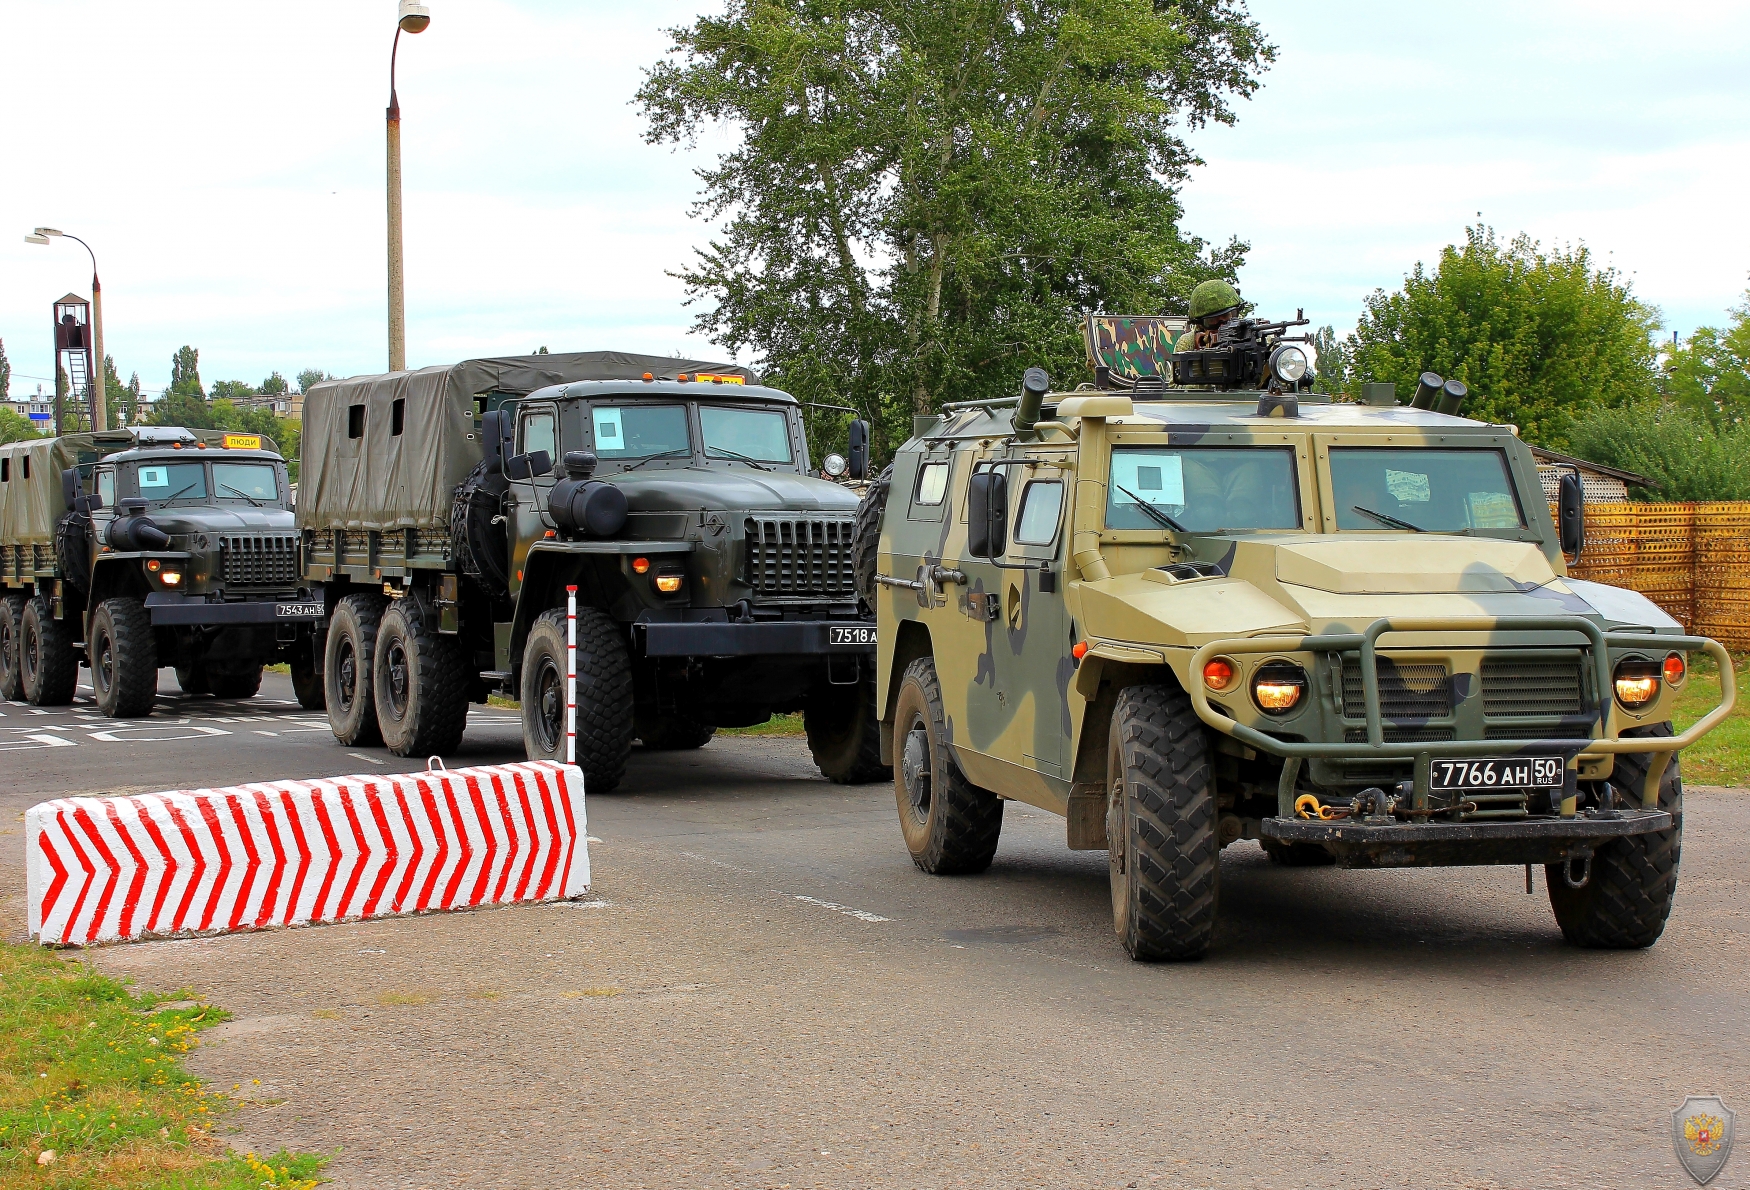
73,364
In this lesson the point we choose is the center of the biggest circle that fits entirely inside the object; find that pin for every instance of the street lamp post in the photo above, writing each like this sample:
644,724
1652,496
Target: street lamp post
414,17
99,395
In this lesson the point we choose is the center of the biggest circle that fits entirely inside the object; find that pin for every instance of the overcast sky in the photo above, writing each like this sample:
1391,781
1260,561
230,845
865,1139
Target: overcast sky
225,159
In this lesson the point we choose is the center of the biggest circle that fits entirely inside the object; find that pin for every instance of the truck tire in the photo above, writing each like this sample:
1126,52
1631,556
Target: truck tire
866,534
193,680
844,733
673,733
73,550
237,685
604,696
951,826
48,668
124,658
420,684
1163,826
11,634
346,670
306,685
480,547
1624,904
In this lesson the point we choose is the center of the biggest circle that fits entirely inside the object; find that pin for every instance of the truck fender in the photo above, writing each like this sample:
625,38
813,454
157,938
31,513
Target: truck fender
552,566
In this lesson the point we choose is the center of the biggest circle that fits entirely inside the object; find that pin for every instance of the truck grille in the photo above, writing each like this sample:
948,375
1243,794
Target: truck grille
1405,691
260,561
800,557
1541,687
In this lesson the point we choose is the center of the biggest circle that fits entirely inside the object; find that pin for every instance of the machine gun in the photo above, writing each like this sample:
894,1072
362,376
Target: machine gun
1248,353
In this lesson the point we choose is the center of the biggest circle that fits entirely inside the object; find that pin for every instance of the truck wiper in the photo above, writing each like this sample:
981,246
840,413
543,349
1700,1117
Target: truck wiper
178,496
245,495
667,454
734,454
1161,518
1390,521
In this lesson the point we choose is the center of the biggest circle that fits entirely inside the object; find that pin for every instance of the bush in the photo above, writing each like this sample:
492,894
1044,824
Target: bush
1679,449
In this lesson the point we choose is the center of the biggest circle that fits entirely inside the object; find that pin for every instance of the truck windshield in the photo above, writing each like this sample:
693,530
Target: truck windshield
1203,489
746,433
162,482
246,481
1434,491
639,431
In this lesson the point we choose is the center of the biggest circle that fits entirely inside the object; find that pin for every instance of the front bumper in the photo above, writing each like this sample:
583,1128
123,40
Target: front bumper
779,638
173,610
1359,843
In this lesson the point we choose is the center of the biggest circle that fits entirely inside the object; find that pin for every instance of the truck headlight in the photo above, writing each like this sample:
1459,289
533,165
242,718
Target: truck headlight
1278,686
1288,364
668,584
834,465
171,578
1637,683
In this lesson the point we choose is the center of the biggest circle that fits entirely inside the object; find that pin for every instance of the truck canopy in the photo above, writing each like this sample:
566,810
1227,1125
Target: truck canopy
386,452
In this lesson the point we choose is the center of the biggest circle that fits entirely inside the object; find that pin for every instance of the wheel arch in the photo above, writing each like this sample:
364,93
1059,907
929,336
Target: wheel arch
546,574
911,640
1101,680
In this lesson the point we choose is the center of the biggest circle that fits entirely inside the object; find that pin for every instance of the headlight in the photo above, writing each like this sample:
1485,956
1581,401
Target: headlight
668,584
1288,364
833,465
1637,683
1278,686
170,578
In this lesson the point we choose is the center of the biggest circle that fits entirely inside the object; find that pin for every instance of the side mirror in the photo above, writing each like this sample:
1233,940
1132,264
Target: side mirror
517,467
86,505
1571,515
987,514
859,450
492,438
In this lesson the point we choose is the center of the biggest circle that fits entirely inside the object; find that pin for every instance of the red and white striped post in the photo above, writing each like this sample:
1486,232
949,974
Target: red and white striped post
570,675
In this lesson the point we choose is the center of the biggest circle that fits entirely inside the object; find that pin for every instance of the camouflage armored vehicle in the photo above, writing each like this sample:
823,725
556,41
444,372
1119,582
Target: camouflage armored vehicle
1182,615
445,513
128,550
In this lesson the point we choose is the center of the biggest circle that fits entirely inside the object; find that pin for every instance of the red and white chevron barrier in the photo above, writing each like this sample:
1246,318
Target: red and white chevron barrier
287,853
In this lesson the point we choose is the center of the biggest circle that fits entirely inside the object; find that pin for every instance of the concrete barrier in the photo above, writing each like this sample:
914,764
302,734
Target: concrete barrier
287,853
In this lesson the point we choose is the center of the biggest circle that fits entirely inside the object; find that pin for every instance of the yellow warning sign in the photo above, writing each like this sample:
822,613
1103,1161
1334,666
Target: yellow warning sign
242,442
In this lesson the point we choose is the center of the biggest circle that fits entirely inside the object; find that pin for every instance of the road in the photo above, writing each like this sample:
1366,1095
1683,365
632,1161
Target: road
763,991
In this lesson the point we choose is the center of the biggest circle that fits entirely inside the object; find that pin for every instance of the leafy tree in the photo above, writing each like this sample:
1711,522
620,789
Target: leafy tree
542,350
1540,337
310,377
119,403
1687,454
925,194
133,399
185,373
274,385
5,374
1333,365
182,409
1711,373
230,390
14,428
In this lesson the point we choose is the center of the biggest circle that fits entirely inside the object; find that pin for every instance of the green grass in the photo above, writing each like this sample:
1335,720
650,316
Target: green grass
780,725
90,1075
1722,756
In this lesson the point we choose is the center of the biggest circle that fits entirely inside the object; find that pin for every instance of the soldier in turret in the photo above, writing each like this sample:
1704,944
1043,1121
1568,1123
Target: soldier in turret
1213,303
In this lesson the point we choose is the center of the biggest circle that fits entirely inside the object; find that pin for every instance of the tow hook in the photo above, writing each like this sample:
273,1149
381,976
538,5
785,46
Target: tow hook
1585,875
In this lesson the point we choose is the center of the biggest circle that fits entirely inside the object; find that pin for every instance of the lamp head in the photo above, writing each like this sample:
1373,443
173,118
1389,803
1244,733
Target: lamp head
36,239
414,16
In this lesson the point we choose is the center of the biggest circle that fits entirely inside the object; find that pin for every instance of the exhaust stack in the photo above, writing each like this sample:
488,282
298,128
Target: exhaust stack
1034,385
1428,390
1452,395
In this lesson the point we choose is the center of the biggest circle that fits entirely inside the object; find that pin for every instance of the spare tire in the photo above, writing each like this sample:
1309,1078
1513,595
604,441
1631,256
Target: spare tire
73,550
866,534
480,547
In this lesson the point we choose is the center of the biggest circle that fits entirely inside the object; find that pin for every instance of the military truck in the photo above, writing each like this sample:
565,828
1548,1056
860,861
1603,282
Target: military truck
128,550
1183,612
446,512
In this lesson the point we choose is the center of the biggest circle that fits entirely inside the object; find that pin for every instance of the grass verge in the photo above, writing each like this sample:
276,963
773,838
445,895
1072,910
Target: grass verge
93,1094
782,725
1722,756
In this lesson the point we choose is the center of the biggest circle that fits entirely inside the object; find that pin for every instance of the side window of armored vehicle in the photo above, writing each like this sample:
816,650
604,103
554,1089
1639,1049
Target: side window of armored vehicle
106,486
1204,488
540,432
1430,490
930,494
163,482
1041,510
759,434
639,431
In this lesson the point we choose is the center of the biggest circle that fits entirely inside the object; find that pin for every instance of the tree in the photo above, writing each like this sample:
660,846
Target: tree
14,428
120,404
230,390
133,398
1710,374
925,194
185,373
310,377
1333,362
1540,337
1687,454
274,385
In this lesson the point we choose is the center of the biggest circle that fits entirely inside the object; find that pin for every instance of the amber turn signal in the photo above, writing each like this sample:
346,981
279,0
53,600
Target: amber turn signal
640,565
154,565
1218,674
1675,668
1079,650
668,584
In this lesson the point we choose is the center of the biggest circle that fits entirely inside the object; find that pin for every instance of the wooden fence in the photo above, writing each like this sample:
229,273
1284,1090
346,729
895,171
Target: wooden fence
1693,560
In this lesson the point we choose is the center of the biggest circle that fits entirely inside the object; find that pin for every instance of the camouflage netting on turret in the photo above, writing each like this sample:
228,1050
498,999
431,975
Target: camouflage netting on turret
357,473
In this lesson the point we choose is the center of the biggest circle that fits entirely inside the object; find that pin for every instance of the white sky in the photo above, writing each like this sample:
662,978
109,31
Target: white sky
228,168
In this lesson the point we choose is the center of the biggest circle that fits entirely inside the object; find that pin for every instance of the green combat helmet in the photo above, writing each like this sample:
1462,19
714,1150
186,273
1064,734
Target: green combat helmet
1213,297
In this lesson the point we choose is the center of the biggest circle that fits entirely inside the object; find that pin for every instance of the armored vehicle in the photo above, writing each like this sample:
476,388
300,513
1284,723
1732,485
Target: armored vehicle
128,550
446,513
1183,615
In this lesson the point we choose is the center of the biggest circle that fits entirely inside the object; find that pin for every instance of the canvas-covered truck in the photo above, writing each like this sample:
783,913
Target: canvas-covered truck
446,511
129,550
1194,603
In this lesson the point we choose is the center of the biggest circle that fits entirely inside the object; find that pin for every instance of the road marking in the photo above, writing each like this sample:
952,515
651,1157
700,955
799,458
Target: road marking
258,731
859,914
193,731
42,741
362,756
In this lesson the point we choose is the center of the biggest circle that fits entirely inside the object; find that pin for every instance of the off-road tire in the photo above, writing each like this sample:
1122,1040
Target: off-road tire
673,733
951,826
346,670
11,634
604,696
306,684
1163,826
1298,855
420,684
866,534
73,550
244,685
480,547
1625,902
124,658
48,667
844,732
193,680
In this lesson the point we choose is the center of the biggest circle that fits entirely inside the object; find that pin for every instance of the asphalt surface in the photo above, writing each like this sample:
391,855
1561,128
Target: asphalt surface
762,991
